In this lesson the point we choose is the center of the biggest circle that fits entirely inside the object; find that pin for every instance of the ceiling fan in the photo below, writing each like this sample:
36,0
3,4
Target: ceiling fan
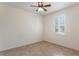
41,6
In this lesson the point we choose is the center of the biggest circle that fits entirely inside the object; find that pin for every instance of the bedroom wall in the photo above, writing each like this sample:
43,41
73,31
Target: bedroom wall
70,38
18,27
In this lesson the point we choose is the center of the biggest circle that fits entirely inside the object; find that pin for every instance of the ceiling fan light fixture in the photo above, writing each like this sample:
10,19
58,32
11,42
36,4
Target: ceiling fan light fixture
41,6
40,9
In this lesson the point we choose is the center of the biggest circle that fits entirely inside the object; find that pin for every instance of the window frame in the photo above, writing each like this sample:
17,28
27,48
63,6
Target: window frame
56,17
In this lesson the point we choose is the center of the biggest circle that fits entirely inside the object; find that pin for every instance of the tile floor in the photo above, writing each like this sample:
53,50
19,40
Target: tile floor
40,49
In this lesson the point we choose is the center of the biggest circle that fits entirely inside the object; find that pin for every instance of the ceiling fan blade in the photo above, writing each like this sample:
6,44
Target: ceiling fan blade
41,4
33,6
44,9
48,5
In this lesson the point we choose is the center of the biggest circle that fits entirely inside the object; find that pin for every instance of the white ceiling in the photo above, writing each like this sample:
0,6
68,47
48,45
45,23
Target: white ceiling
55,6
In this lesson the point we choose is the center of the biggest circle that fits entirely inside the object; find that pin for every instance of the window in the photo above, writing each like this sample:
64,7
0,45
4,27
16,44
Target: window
59,24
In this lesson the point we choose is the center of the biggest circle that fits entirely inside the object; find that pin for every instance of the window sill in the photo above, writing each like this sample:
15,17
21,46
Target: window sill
60,33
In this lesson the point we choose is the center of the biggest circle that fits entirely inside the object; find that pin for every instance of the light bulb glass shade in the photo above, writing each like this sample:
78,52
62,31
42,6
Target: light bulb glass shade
40,9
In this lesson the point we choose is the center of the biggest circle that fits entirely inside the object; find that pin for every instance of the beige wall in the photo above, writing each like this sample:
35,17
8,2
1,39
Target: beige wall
18,27
71,36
